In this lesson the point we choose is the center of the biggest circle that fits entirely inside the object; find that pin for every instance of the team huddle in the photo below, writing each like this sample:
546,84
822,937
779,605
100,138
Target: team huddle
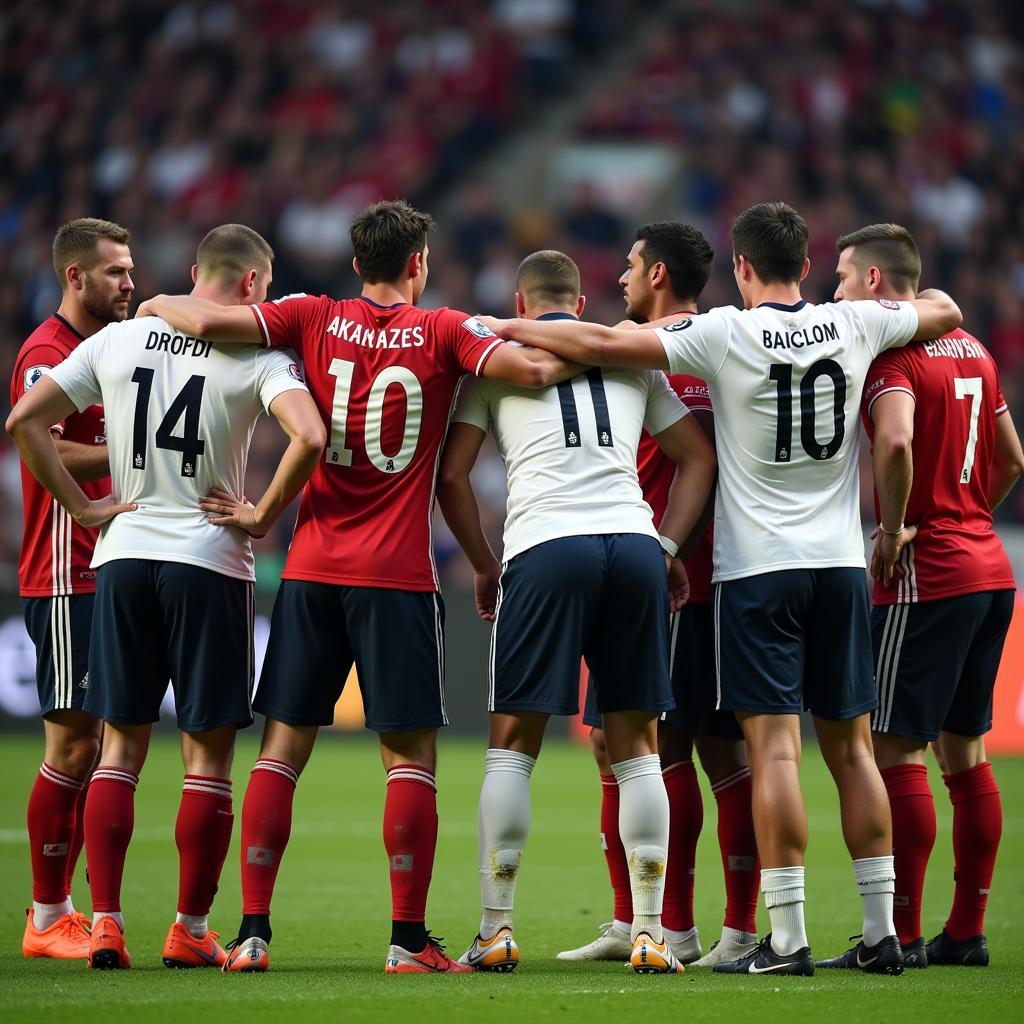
683,514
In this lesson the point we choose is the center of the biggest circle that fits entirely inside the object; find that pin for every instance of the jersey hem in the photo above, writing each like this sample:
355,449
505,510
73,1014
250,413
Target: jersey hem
963,591
35,592
199,563
344,580
761,570
515,551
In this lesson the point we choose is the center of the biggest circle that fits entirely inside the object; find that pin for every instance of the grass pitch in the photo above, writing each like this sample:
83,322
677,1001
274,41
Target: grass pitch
331,911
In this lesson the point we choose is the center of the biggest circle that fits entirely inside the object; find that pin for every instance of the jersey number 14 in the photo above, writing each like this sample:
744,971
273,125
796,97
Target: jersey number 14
188,402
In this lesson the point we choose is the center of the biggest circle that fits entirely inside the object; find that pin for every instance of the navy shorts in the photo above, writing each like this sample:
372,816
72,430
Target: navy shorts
937,663
795,639
395,639
694,687
60,628
602,597
160,621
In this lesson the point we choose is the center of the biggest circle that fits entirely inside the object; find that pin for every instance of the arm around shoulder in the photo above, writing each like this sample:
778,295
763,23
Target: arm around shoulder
937,314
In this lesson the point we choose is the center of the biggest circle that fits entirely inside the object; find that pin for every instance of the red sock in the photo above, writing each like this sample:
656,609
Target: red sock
266,826
78,836
410,839
686,818
109,820
738,846
614,853
977,828
913,836
51,829
202,834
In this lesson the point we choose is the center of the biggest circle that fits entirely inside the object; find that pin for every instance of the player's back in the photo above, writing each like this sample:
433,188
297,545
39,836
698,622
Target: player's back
180,414
384,378
786,382
570,451
955,385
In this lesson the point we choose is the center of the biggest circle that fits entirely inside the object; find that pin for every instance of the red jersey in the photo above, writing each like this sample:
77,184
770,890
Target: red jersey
656,471
956,387
55,550
384,378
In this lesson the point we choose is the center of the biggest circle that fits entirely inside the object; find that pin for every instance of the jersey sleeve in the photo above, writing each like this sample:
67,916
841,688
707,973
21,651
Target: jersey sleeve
1001,405
277,371
472,407
696,344
886,323
468,340
693,391
32,365
76,375
285,322
663,405
887,373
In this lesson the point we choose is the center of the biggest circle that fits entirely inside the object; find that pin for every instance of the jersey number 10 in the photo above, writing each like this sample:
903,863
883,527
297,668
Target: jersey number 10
782,374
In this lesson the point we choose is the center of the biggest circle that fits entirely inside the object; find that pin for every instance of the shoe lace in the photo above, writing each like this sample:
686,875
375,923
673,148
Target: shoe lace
233,944
437,941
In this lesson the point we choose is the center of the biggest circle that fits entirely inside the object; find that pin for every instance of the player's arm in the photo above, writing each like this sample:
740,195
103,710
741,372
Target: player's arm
528,367
585,343
705,419
297,414
203,318
1007,461
893,463
85,462
29,427
462,513
937,314
686,444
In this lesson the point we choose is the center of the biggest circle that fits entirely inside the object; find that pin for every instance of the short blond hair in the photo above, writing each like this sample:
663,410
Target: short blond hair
231,250
76,242
550,277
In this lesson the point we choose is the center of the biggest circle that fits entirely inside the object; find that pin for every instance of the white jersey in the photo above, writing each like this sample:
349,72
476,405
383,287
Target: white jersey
570,451
786,384
180,413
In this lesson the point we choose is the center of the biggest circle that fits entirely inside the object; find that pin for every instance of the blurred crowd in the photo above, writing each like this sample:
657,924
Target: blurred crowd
290,115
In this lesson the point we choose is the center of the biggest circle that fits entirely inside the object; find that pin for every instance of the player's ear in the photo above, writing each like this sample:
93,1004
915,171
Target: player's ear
580,305
73,276
355,266
874,279
249,282
806,270
657,274
415,265
195,274
520,306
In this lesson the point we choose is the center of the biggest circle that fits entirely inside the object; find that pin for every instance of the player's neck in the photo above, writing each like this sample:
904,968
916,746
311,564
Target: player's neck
787,294
383,293
74,313
535,313
213,293
669,305
896,296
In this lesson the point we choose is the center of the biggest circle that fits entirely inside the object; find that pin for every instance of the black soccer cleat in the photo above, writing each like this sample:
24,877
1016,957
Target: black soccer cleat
972,952
914,954
883,957
764,960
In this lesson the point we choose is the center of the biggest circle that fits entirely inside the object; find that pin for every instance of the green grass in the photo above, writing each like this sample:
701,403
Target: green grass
331,912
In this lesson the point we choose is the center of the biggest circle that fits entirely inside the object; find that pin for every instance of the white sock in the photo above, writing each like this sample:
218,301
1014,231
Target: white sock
197,925
735,935
876,882
783,890
643,828
623,926
46,914
503,825
673,936
115,914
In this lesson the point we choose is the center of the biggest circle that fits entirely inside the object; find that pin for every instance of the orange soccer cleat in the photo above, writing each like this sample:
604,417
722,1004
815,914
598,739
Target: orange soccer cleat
107,950
183,949
66,939
432,960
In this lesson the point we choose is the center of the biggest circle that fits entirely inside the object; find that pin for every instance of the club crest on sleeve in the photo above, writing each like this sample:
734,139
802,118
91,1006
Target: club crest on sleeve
475,327
679,325
33,373
888,304
296,371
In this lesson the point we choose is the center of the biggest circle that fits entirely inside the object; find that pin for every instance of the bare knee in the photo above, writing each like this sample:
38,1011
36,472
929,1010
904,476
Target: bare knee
599,749
960,753
418,748
125,746
292,744
209,753
72,743
521,731
896,750
720,757
674,745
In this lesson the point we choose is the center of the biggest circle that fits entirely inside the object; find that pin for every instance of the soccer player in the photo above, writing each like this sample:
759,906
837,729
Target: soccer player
785,378
174,589
93,264
666,270
360,585
583,575
945,453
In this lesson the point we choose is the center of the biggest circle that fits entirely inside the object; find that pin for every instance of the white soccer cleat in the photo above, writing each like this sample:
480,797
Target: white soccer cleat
612,943
687,950
498,953
724,951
